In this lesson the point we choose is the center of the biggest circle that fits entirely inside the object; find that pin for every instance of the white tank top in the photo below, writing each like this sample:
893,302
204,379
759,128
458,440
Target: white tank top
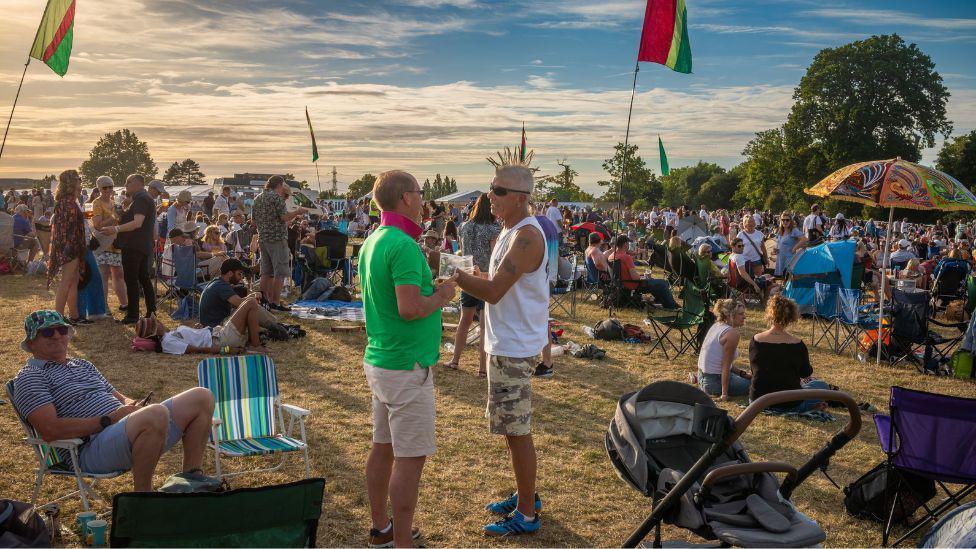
518,325
710,357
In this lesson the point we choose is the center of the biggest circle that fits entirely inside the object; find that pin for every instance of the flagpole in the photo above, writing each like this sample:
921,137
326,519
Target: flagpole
623,166
16,97
319,179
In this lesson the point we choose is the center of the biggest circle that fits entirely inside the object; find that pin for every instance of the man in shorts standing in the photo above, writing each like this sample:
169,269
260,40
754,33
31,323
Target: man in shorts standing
271,219
516,294
403,327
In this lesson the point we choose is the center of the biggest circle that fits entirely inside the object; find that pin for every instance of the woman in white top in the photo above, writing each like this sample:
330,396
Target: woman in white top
716,376
753,240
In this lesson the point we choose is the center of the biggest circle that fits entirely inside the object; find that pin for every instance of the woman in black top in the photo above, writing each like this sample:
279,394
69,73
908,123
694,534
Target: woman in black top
779,360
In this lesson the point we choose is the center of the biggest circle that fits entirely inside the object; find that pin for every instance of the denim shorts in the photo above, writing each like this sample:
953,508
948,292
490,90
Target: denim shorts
470,301
110,450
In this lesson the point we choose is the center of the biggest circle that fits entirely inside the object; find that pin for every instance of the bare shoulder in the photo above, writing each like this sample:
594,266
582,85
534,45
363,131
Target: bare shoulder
528,239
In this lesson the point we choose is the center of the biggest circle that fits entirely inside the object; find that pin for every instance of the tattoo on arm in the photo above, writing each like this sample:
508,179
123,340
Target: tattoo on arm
521,243
508,265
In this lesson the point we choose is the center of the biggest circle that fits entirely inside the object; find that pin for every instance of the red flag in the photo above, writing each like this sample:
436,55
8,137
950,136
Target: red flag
664,38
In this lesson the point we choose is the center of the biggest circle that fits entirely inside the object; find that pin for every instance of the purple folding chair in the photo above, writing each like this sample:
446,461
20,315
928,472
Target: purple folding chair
933,436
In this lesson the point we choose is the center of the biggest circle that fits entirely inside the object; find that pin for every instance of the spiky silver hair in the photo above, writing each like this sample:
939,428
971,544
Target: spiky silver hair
510,157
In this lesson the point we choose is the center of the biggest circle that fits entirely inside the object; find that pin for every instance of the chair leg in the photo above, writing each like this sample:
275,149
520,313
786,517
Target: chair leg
217,461
38,482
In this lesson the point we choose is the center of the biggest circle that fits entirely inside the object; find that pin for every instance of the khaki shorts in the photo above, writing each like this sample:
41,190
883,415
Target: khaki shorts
274,259
403,409
226,335
509,409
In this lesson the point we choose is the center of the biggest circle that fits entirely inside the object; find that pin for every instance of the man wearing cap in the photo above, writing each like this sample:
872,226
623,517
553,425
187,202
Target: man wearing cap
236,320
432,245
903,253
136,238
64,397
179,211
516,295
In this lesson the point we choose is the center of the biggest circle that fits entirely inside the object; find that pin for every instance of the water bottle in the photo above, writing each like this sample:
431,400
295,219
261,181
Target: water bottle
449,347
588,330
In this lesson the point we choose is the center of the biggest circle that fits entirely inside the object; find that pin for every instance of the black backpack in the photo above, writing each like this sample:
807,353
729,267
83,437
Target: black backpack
609,329
21,526
865,497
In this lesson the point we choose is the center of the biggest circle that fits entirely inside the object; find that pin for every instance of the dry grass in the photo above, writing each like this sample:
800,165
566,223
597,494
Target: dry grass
585,503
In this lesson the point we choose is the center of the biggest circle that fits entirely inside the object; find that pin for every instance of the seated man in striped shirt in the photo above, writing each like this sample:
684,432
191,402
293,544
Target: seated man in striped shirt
66,397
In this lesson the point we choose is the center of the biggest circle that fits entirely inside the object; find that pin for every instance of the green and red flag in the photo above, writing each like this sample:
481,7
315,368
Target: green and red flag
315,148
52,44
522,148
664,38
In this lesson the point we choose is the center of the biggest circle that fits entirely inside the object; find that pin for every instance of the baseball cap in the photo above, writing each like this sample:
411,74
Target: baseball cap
104,181
158,185
233,264
839,216
904,243
37,321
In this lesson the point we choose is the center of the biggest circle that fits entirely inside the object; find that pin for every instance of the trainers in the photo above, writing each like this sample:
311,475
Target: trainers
543,371
507,505
280,307
379,539
513,525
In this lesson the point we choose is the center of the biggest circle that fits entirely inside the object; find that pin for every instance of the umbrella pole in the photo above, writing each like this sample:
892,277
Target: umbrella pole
885,255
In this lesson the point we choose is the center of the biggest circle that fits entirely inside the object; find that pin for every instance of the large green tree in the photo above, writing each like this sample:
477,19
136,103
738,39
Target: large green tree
186,172
117,155
958,159
682,186
718,191
561,186
638,180
361,186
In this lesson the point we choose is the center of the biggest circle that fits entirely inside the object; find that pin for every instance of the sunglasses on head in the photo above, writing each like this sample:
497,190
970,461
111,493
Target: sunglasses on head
502,191
49,332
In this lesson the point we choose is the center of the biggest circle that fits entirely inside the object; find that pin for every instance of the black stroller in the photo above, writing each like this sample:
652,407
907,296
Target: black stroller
671,442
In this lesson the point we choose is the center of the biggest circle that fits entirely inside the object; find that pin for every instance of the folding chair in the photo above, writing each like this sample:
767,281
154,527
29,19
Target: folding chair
248,414
933,436
855,320
559,295
685,321
595,281
950,284
178,275
826,311
616,294
58,458
911,336
739,290
330,247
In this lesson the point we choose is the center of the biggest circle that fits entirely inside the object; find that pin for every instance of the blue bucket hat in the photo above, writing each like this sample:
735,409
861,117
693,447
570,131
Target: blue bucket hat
38,320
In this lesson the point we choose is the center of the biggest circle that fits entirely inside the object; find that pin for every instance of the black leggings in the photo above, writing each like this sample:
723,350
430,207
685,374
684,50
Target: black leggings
135,270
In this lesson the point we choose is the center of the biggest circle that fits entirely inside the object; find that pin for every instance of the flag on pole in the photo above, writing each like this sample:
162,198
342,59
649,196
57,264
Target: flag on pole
315,148
664,38
52,44
522,148
664,157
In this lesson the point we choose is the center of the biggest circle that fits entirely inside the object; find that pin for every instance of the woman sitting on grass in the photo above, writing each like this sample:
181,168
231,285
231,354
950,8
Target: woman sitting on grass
716,376
780,361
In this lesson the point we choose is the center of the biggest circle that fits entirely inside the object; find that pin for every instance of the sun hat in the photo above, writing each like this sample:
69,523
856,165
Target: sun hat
839,216
904,243
104,181
158,185
184,196
188,228
37,321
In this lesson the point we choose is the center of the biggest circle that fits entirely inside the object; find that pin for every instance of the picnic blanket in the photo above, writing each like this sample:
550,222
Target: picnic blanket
349,311
813,415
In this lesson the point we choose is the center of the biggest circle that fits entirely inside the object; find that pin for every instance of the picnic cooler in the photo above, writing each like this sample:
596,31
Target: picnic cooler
285,515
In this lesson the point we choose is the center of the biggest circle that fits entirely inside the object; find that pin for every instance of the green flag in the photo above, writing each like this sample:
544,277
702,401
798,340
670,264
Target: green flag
315,148
664,157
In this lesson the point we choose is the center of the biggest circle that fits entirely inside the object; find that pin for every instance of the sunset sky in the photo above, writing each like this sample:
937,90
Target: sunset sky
434,85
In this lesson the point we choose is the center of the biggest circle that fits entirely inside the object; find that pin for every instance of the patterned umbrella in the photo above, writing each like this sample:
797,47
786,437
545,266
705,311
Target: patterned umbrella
895,183
892,184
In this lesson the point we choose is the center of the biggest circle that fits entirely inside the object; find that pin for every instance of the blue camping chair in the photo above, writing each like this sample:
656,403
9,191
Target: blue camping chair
825,314
854,320
595,280
179,276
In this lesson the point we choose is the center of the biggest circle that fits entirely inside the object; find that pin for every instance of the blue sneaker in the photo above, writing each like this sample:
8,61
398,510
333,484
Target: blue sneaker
513,525
509,504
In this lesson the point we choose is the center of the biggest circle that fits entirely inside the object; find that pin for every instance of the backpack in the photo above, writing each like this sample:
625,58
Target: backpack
21,526
865,497
610,329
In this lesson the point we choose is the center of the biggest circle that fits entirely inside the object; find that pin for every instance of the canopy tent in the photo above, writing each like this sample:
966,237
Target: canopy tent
828,263
692,227
460,197
198,192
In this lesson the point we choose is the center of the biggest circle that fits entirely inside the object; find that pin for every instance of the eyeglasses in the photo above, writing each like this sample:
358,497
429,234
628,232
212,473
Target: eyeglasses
49,332
502,191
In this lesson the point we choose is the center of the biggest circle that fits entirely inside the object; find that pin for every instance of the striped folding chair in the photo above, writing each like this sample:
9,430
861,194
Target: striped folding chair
248,413
58,458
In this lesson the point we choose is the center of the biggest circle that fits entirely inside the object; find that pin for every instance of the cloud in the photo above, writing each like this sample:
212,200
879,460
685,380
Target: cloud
894,17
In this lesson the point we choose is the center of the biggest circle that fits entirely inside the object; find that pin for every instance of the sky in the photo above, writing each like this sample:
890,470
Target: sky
435,86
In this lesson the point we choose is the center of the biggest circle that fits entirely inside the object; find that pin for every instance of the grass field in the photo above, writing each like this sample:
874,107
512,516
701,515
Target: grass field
585,504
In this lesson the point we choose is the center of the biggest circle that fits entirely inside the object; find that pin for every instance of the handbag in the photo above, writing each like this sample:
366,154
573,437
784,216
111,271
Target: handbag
762,252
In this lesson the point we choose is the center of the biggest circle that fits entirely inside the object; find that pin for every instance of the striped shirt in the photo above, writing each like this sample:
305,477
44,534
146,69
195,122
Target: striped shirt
75,388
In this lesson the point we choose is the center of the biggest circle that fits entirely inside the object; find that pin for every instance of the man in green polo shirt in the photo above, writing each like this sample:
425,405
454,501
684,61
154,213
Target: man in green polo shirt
403,327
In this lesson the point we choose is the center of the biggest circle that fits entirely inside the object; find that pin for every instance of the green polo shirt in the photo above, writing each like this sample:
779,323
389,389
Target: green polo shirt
390,258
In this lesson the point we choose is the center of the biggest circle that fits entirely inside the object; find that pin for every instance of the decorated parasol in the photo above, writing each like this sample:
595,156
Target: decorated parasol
891,184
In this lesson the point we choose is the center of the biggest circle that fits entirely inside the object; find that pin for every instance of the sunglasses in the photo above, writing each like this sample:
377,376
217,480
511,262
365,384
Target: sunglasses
49,332
502,191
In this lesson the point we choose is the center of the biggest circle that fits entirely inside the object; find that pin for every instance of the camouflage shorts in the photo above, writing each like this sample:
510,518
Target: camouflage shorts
509,409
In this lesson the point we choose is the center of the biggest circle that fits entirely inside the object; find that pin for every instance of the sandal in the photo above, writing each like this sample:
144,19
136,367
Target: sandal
482,374
450,365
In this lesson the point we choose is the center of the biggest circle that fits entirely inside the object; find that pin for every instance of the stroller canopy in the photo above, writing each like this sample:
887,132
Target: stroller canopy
828,263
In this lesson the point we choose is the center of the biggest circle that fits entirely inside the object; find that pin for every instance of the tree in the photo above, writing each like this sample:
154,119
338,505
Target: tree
958,159
765,168
361,186
118,155
682,186
639,183
718,191
186,172
561,186
427,189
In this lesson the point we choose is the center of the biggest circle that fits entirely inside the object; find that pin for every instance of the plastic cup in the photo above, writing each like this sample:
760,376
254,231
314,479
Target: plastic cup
450,263
84,518
96,532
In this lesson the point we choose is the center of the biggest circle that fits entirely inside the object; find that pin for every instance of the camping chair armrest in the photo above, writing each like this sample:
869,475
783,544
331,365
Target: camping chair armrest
296,411
67,443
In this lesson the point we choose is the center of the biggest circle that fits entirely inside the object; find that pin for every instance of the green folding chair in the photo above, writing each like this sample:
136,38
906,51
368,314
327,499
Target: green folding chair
58,458
248,413
684,322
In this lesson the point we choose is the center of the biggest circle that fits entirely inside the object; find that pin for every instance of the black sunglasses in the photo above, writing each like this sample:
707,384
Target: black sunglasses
49,332
502,191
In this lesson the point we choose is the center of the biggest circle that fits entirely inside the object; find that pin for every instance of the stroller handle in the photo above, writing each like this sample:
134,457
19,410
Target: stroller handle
771,399
747,468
